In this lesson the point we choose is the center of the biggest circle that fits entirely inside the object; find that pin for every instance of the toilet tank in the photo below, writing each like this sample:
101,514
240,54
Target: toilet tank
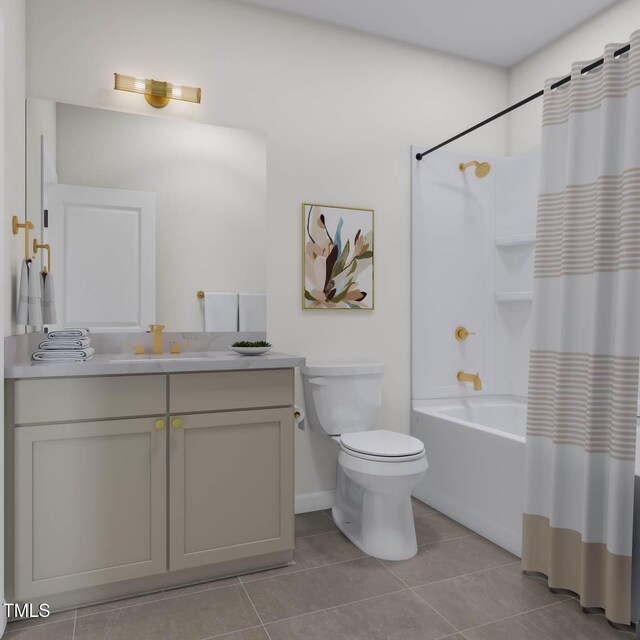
342,398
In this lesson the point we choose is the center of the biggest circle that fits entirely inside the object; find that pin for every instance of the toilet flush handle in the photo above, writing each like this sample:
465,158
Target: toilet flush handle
321,382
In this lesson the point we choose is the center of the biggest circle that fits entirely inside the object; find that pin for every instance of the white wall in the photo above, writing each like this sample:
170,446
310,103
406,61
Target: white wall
12,94
14,150
339,110
586,42
210,186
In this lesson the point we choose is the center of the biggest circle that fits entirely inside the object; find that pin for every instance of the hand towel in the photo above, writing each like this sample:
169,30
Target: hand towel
48,299
220,311
252,311
71,343
69,332
70,355
35,297
22,316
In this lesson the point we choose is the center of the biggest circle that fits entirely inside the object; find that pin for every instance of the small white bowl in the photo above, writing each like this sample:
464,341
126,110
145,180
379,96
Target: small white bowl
251,351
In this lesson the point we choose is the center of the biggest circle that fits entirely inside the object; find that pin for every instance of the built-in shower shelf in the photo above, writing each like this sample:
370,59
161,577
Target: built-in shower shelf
514,296
519,240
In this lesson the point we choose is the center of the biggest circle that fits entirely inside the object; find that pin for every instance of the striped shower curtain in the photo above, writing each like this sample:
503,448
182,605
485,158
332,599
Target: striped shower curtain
583,370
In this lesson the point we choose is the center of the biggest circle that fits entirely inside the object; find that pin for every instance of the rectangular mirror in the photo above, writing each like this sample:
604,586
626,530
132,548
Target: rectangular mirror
141,213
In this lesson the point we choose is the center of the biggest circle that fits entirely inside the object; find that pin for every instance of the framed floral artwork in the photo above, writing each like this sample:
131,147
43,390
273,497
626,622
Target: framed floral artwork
338,257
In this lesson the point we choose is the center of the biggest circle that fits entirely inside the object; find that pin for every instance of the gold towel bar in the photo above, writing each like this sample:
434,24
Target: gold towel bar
16,225
47,248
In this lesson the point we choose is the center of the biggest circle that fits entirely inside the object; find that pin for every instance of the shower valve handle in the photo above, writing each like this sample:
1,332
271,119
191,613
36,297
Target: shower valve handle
461,333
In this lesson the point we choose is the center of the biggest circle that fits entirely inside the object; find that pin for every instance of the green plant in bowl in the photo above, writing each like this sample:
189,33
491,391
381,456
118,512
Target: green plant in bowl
249,344
251,348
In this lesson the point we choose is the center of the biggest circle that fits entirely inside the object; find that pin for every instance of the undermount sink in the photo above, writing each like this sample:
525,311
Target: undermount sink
163,357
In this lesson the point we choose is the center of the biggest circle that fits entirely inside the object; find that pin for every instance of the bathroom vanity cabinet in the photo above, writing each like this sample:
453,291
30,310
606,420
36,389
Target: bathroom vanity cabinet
124,484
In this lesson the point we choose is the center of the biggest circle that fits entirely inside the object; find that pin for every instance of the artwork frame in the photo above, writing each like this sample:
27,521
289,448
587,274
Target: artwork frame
343,238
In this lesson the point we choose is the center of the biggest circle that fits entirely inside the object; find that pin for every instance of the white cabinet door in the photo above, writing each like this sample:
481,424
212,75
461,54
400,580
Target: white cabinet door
90,504
103,257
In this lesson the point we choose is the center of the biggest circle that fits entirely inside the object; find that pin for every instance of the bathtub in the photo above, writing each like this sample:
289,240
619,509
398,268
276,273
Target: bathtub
475,448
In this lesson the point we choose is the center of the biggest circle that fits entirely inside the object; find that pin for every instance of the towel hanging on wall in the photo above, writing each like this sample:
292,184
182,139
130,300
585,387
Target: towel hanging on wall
220,311
252,311
48,299
35,297
29,311
22,316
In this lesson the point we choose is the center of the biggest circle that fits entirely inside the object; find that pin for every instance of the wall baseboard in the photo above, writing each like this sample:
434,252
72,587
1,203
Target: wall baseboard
306,502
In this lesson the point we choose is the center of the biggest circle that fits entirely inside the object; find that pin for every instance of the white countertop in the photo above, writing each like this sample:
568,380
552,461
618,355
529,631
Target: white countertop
106,364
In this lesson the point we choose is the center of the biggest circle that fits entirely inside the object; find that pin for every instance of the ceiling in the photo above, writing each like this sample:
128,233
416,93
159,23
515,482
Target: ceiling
500,32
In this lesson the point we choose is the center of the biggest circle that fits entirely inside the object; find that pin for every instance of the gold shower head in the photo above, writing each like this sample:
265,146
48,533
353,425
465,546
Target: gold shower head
482,168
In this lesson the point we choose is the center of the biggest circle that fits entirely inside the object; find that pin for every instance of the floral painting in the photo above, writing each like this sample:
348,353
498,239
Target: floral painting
338,257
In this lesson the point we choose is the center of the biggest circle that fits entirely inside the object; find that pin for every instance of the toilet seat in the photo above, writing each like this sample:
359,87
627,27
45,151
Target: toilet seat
382,445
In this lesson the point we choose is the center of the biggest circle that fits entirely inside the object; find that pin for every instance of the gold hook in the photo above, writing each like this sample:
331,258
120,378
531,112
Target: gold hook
46,247
16,225
200,295
482,168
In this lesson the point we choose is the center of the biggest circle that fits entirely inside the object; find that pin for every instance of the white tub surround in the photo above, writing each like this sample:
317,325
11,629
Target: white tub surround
583,369
472,266
476,456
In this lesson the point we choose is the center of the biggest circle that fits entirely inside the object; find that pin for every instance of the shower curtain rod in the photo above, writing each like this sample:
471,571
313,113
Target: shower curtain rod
513,107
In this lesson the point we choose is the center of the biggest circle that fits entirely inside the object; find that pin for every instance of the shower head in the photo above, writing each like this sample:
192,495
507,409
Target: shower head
482,168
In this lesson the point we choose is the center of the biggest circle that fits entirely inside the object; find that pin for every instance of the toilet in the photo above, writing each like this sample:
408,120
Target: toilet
377,468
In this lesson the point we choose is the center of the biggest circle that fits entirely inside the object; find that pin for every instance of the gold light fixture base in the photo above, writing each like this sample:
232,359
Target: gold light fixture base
156,101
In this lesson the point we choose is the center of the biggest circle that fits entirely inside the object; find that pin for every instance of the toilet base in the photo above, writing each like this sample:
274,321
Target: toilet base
373,505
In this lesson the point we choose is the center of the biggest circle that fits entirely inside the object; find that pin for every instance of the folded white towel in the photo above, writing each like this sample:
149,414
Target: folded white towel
220,311
64,334
79,343
252,311
35,296
22,315
69,355
48,299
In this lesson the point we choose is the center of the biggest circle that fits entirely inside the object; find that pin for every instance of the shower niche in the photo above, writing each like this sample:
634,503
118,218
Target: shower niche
473,238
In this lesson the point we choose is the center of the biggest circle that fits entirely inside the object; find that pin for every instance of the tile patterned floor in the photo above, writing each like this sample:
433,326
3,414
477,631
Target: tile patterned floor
458,587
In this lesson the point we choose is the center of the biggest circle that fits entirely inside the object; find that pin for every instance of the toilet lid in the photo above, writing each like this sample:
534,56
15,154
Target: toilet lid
387,444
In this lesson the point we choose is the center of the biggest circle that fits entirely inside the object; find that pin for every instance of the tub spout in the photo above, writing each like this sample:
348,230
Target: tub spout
463,376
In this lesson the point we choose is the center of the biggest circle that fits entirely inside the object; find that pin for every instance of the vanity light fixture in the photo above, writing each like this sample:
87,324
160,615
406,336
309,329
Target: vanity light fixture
156,92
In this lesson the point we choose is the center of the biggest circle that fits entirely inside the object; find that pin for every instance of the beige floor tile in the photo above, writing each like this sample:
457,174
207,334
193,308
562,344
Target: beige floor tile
54,631
399,616
153,597
193,617
314,551
256,633
14,625
564,621
449,559
313,522
420,508
434,527
316,589
481,598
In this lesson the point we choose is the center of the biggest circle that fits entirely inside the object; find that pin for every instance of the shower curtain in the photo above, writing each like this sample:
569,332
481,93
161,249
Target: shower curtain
583,368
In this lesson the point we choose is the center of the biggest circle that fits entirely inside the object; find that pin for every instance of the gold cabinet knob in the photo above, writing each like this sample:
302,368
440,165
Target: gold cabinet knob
160,423
461,333
176,423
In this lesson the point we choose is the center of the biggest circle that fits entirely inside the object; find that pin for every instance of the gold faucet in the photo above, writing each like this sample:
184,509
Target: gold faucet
463,376
157,330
